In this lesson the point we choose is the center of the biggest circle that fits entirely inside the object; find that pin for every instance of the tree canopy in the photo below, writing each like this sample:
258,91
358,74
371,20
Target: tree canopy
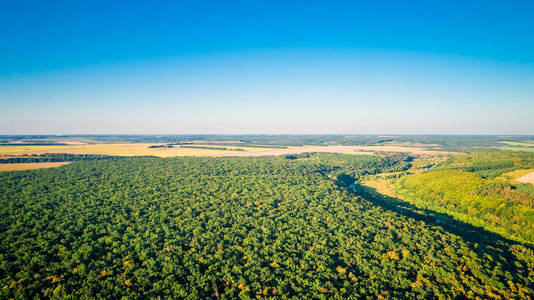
234,227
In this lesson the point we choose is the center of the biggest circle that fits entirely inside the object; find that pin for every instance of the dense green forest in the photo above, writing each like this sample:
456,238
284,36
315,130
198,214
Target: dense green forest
472,189
238,227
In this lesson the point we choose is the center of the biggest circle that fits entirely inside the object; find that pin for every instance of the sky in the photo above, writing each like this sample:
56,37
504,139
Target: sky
266,67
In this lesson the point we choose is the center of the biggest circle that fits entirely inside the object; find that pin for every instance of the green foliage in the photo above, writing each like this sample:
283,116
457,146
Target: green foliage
490,164
298,156
359,166
521,192
211,148
462,187
232,227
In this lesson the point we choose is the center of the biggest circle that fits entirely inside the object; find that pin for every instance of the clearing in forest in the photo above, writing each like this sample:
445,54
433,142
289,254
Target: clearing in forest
529,178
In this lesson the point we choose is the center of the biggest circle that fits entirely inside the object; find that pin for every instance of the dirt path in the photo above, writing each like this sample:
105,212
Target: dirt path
529,178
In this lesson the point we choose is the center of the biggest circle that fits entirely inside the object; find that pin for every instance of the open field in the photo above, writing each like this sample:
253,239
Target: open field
520,144
413,150
30,166
410,144
526,149
297,150
528,178
513,176
143,149
338,149
122,150
382,186
527,146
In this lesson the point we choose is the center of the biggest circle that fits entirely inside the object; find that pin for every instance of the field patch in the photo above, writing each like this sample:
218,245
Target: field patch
382,186
528,178
148,149
139,149
30,166
294,150
527,146
519,144
514,175
338,149
525,149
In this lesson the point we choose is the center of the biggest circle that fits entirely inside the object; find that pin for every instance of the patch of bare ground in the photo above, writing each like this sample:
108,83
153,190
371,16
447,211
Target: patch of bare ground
529,178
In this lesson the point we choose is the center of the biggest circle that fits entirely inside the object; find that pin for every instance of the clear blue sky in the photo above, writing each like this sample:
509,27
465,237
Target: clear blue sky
445,67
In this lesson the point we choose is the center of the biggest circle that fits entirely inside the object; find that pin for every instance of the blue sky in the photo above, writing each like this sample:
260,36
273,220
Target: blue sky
414,67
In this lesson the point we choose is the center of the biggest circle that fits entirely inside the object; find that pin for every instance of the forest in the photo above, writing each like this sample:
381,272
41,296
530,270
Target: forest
282,227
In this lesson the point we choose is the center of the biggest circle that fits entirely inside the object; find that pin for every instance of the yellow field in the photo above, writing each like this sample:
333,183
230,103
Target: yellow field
523,176
30,166
143,149
528,178
123,150
514,175
382,186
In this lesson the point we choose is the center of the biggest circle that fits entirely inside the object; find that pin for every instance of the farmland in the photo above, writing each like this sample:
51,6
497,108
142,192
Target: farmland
519,144
142,149
30,166
527,178
121,149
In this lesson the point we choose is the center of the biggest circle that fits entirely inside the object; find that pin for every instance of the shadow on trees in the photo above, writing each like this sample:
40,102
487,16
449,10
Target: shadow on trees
478,239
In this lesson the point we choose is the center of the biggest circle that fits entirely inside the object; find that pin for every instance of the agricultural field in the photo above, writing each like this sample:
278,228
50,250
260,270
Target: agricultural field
519,144
527,178
201,149
517,176
30,166
130,149
525,149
